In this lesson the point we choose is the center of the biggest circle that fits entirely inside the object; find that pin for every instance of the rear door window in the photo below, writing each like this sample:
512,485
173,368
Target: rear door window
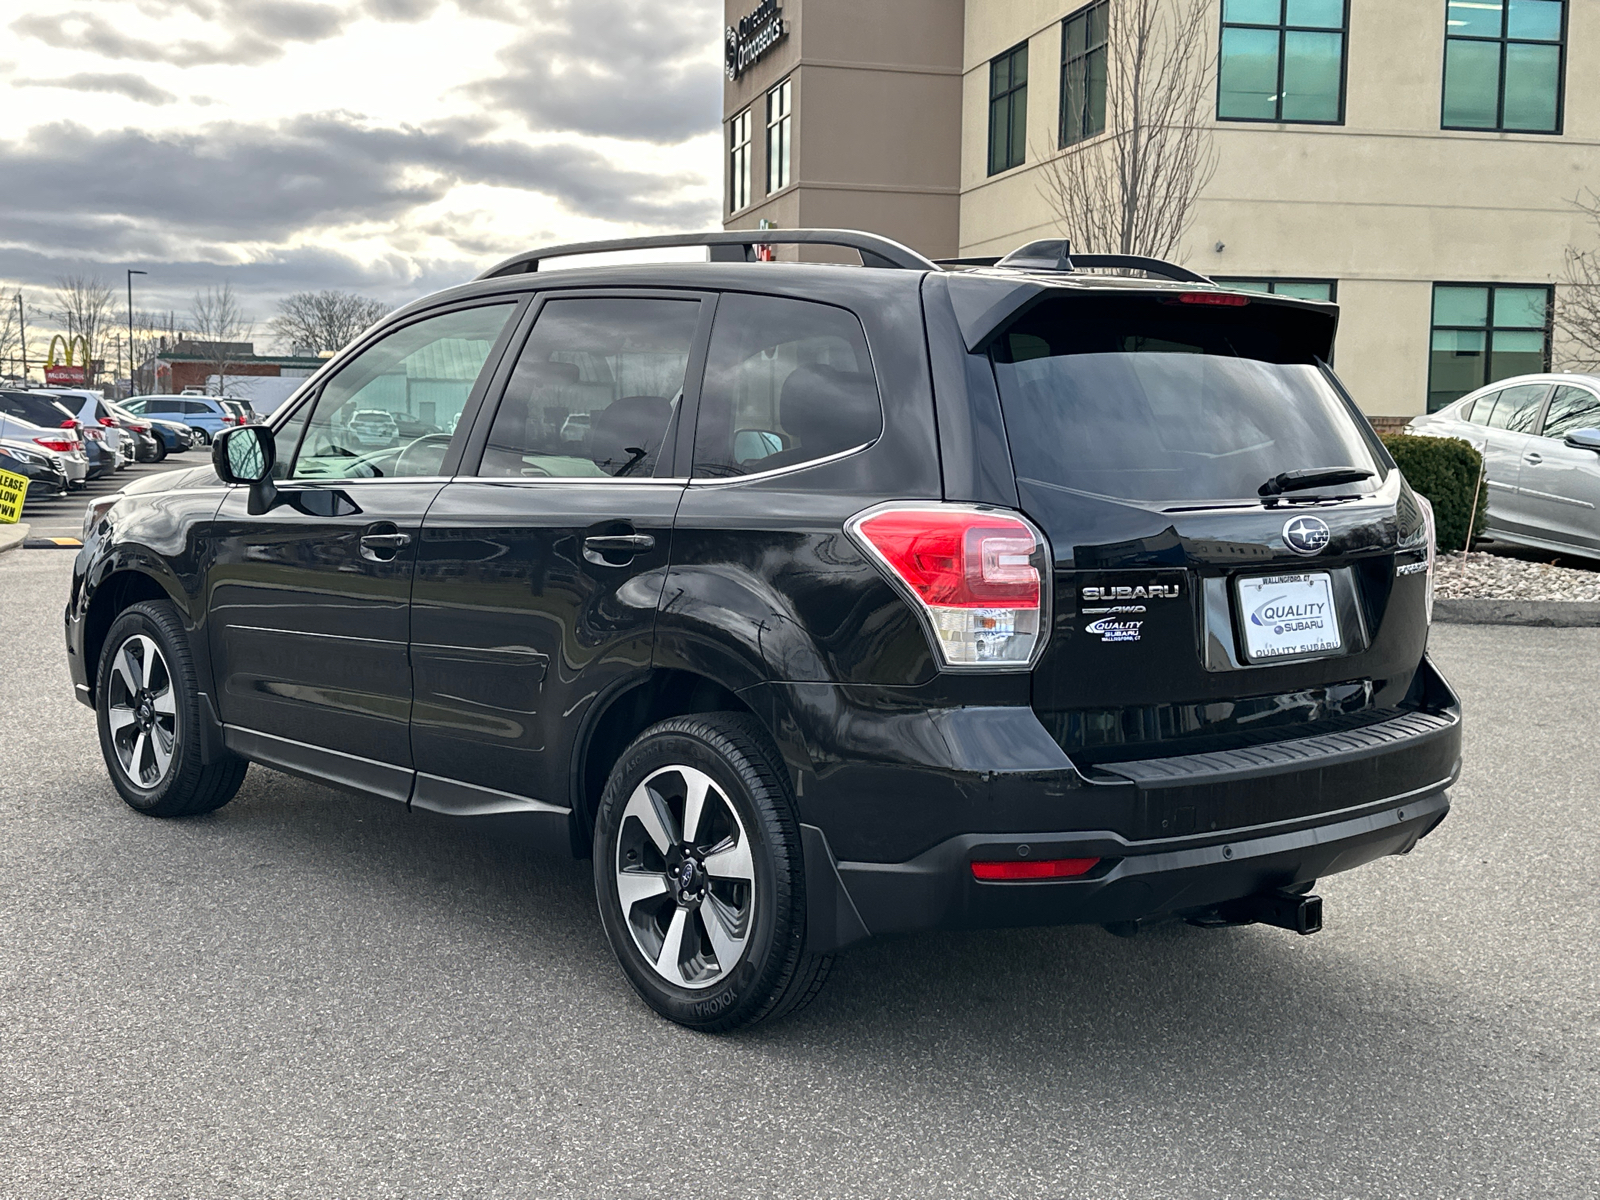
787,382
1517,410
594,390
1135,399
1571,408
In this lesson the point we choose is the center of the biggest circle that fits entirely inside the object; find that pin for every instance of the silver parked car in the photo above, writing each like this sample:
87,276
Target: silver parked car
1540,440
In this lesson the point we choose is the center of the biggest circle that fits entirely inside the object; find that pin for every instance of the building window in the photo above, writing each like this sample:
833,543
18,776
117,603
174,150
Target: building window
1484,332
1008,109
1083,73
1282,60
1300,289
1503,64
739,161
778,137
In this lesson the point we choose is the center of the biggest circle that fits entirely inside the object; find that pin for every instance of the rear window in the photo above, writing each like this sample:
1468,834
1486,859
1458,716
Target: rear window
1150,400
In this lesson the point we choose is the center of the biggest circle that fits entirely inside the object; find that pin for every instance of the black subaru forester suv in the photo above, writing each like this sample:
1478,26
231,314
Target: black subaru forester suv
814,602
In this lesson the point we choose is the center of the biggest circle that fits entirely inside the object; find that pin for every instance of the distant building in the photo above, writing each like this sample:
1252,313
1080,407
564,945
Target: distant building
1414,160
191,364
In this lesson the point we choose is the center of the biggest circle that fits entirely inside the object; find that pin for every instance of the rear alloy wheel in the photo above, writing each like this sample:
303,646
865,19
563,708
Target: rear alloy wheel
147,701
699,875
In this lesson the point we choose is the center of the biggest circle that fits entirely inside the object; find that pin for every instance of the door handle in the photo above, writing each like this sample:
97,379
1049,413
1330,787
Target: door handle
382,547
1534,458
618,545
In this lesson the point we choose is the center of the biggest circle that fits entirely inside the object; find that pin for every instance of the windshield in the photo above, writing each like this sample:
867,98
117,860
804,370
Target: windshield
1157,406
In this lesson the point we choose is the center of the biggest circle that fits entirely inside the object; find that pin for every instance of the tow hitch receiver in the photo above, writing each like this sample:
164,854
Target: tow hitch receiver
1283,908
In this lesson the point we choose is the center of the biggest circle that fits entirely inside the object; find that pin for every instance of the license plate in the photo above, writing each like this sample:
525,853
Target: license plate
1288,615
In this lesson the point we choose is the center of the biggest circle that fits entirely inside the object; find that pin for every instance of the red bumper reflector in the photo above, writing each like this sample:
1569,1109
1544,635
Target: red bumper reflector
1041,868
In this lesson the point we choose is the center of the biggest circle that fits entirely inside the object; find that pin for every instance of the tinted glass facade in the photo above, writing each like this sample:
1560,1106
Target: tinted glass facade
1282,60
1503,65
1083,73
1482,333
1008,109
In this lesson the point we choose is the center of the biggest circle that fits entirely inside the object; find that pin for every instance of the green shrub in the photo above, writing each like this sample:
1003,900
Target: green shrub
1447,471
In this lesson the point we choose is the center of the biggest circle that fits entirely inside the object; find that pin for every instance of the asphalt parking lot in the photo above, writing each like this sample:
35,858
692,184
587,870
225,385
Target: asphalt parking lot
311,995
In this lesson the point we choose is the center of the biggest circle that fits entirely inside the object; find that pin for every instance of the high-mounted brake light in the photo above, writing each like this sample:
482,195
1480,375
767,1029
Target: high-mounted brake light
1221,299
973,573
1033,868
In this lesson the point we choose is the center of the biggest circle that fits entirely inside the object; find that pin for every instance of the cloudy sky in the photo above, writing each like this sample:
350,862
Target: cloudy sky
389,147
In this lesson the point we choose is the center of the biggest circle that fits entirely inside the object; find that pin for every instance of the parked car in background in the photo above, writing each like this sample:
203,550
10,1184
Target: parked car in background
175,436
374,427
1540,440
151,447
48,412
241,409
41,468
205,414
65,443
91,409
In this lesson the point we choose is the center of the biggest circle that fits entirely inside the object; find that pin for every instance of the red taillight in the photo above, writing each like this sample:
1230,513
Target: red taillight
60,445
1033,868
110,422
973,572
1222,299
71,423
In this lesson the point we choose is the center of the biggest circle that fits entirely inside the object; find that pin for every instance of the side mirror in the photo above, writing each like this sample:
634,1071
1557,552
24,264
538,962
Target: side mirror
1584,439
246,454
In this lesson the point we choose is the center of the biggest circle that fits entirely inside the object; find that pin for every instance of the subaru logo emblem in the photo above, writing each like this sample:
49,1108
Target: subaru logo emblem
1306,535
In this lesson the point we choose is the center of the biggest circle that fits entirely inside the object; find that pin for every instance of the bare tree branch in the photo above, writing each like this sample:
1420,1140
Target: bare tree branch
10,334
83,306
219,327
313,322
1577,316
1132,189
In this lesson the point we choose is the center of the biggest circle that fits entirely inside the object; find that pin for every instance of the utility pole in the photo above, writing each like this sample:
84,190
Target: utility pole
132,387
22,326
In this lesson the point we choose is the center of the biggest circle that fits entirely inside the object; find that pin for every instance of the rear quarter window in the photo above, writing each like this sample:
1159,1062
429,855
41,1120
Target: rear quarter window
787,382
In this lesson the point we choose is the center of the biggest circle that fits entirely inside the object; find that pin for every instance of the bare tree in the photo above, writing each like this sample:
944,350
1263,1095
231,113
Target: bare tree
220,327
1577,317
314,322
10,335
1132,189
83,306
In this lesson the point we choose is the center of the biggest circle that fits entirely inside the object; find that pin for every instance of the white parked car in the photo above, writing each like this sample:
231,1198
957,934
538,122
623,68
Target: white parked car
1540,440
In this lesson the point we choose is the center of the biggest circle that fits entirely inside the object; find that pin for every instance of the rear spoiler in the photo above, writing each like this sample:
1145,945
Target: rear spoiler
985,304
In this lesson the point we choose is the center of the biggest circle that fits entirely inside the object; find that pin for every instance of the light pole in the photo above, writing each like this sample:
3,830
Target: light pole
22,327
132,387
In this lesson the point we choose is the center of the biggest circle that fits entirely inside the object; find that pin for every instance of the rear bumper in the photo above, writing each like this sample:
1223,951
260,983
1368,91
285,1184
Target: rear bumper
1133,882
1173,836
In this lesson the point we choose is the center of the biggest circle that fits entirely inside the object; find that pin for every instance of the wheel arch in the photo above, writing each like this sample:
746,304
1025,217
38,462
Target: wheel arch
616,718
115,593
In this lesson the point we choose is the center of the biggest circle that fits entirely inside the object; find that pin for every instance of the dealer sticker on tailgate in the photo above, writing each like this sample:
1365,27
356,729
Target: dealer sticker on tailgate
1288,615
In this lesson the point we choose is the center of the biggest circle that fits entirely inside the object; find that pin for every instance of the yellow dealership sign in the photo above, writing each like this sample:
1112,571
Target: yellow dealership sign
13,491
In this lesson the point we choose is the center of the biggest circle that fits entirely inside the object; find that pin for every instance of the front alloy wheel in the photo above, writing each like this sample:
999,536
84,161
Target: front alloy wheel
141,712
685,880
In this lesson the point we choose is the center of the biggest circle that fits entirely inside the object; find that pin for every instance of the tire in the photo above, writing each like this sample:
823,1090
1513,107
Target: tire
161,450
733,890
147,707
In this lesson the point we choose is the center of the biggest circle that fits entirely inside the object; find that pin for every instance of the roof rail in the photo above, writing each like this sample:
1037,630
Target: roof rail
732,245
1055,254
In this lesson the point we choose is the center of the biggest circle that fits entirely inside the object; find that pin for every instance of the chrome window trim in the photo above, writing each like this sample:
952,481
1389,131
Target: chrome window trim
711,481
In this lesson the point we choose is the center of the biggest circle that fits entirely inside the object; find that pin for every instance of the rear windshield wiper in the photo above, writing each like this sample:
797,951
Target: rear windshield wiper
1313,477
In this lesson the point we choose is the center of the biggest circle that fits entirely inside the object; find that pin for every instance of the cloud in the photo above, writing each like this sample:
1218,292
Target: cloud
233,182
134,87
241,33
614,68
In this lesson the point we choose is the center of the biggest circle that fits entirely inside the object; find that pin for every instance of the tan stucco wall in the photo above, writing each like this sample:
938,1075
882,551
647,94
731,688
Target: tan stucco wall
1387,204
877,104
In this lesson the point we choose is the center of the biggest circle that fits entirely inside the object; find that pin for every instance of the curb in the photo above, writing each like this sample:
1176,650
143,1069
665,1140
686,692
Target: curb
12,536
1549,614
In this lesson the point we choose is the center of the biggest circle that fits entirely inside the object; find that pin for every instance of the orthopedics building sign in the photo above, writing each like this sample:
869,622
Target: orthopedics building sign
753,36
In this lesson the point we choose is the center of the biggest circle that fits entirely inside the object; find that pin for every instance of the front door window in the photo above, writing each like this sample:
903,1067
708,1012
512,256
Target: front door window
392,411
